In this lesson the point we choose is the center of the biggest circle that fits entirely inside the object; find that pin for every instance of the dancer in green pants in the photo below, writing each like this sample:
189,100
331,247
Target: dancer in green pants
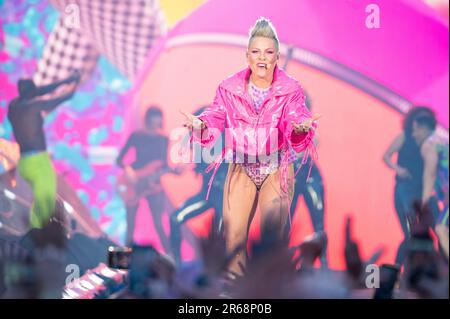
26,114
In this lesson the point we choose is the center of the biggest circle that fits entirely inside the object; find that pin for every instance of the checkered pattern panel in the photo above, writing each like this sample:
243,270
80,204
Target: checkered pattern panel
67,49
121,30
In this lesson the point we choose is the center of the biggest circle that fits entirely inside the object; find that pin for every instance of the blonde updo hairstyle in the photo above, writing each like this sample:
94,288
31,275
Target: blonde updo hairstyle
263,28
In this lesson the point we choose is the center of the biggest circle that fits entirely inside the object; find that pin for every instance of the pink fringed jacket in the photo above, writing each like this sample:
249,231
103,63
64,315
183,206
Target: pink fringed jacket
250,133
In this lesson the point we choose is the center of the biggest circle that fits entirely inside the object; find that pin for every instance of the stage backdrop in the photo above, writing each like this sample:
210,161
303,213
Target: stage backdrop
84,134
361,79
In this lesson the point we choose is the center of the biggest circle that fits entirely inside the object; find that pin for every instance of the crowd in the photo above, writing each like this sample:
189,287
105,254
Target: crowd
274,269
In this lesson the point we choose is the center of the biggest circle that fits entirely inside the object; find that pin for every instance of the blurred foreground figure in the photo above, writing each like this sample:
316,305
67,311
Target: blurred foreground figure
34,266
9,155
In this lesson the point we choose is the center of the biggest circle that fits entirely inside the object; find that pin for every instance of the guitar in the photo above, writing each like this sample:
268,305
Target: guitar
142,182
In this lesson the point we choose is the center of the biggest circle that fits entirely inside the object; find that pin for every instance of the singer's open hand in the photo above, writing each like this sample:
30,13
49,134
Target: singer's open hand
192,121
305,126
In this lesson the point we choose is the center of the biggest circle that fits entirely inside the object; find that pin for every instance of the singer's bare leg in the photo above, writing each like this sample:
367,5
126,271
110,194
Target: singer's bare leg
274,203
239,206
